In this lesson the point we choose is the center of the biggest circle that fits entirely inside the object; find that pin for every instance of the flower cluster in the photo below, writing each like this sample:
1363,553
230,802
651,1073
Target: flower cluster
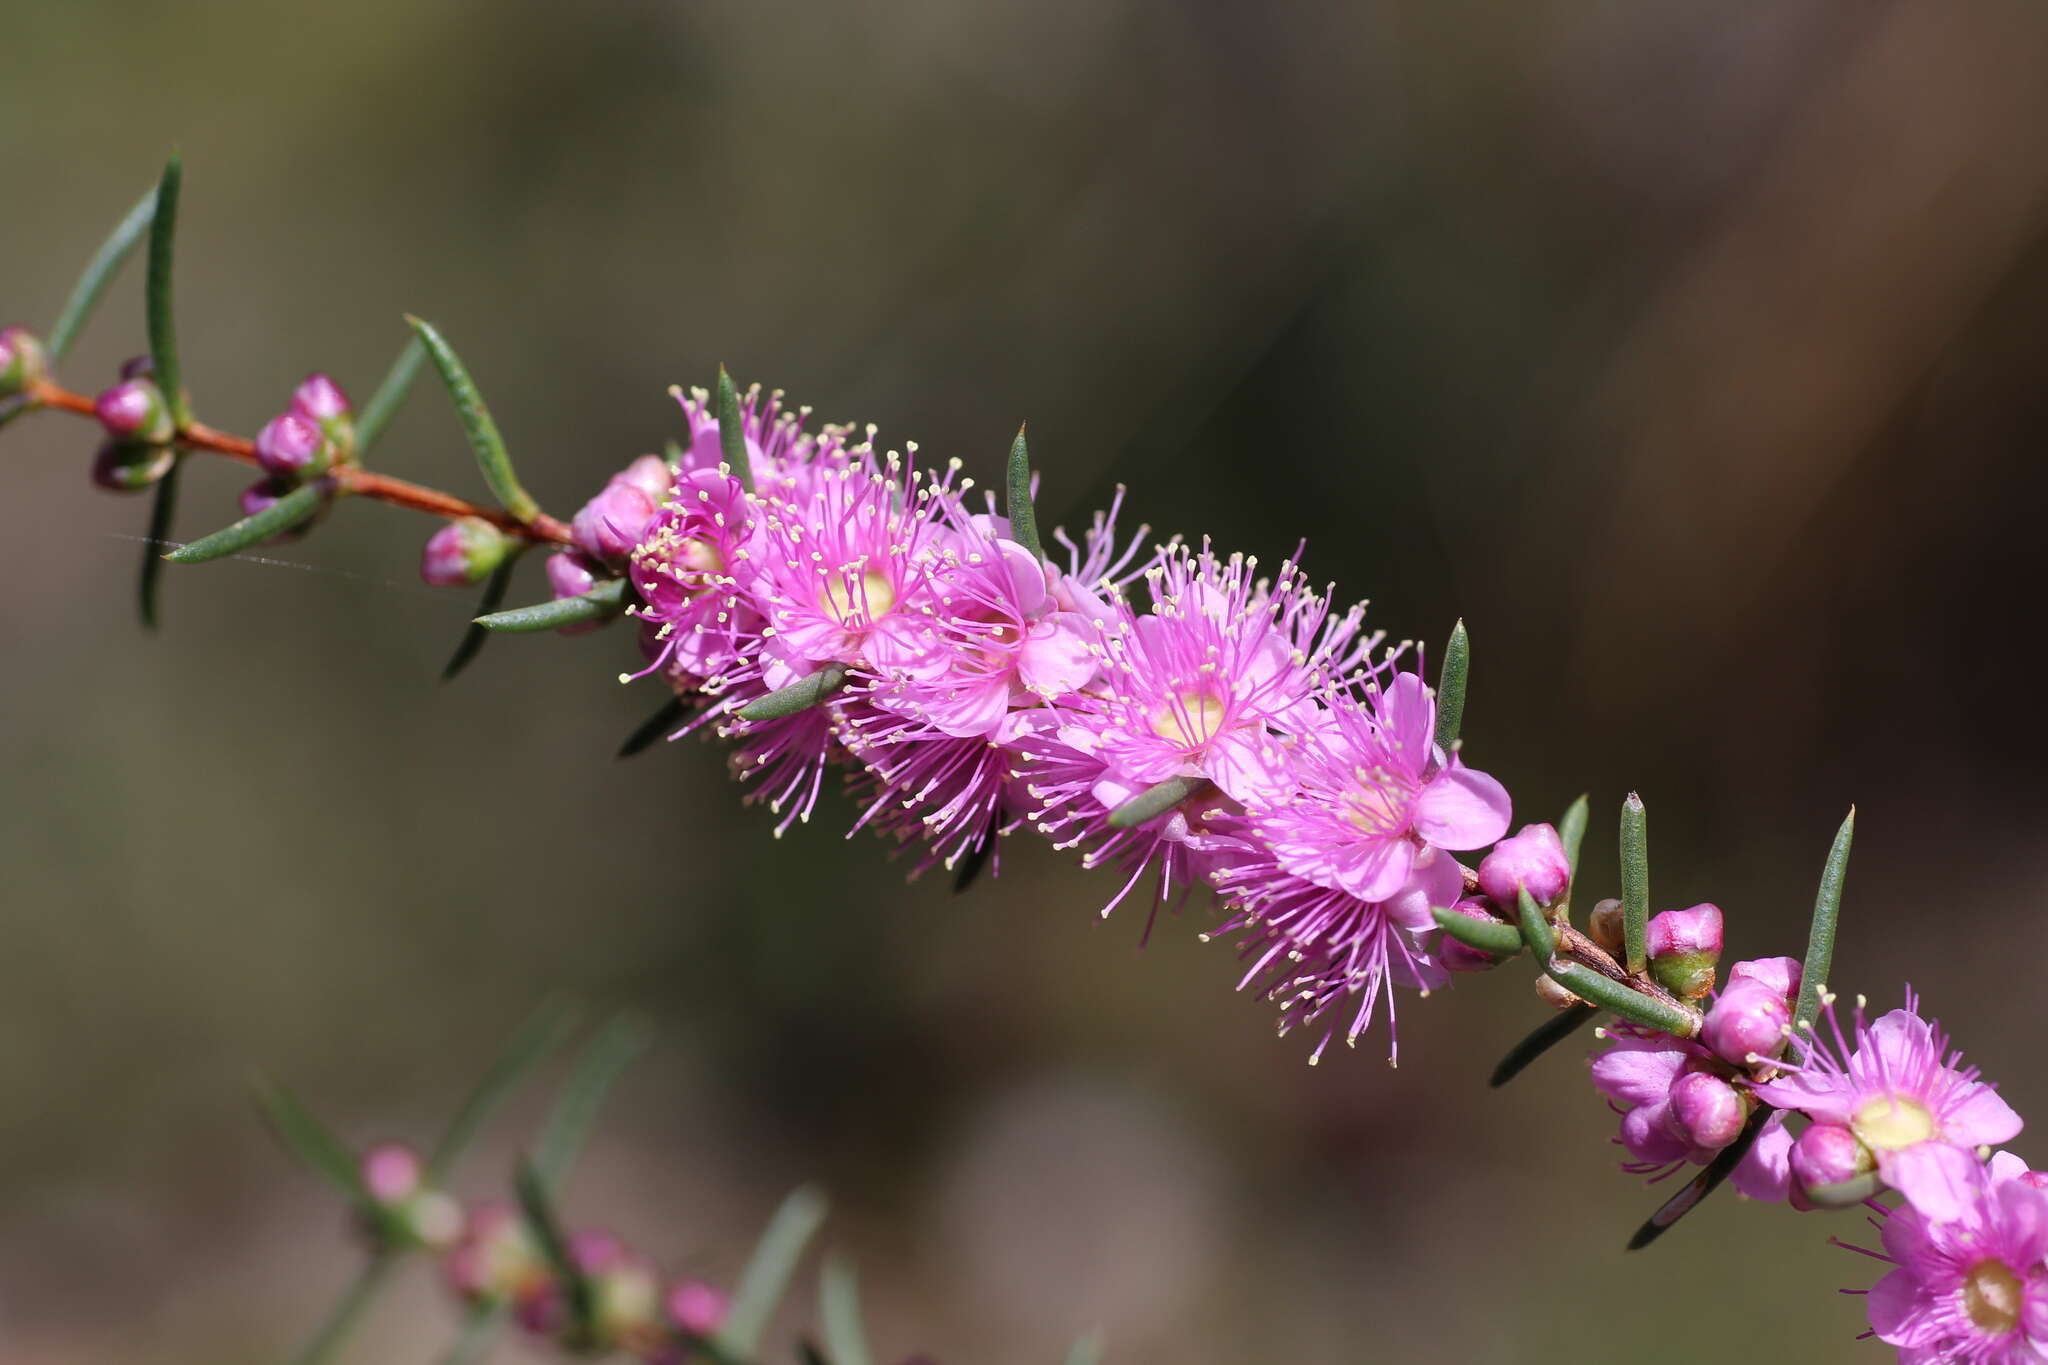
489,1256
1171,711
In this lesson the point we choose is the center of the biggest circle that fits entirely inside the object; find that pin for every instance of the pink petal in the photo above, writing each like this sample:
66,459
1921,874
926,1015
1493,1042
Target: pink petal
1027,579
1462,809
1981,1119
1638,1071
1435,882
1055,659
1937,1179
1381,872
1407,720
1892,1305
1765,1172
968,711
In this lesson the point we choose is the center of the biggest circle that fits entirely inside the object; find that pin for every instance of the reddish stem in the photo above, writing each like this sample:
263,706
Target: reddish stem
350,479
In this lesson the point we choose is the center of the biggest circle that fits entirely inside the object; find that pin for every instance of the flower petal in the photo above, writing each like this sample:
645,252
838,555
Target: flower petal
1937,1179
1462,809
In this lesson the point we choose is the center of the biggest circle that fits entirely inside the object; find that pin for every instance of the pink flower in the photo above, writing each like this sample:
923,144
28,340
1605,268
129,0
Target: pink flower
1971,1288
1904,1096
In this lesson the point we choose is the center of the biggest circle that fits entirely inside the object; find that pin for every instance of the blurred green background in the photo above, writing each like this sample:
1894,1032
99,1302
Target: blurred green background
1691,353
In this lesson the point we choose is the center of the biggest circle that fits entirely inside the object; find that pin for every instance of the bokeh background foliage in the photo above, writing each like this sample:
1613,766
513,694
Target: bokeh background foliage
1691,353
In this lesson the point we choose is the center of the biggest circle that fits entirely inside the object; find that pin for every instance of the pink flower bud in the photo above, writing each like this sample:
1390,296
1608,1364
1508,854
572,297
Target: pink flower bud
391,1172
1685,947
1706,1110
1749,1019
1454,956
134,410
1532,860
609,525
1828,1154
128,467
697,1308
22,362
651,475
292,446
320,398
463,552
496,1260
570,574
1779,975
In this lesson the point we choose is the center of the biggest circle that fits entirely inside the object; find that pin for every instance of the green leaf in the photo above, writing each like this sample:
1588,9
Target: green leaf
1635,883
99,272
1154,802
798,697
537,1040
475,632
288,511
657,726
1571,832
1087,1350
601,603
390,395
1820,939
1546,1036
1536,930
1450,687
347,1314
312,1141
1023,516
1488,936
839,1314
732,431
491,456
554,1249
766,1278
599,1065
1616,998
163,330
1703,1184
162,508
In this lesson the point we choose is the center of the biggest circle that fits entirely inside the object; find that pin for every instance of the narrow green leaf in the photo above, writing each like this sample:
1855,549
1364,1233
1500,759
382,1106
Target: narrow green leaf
601,603
660,725
390,395
1703,1184
1820,939
347,1314
537,1040
553,1245
99,272
1450,687
1546,1036
798,697
1848,1194
839,1314
491,456
288,511
475,632
1635,883
163,329
1571,832
732,431
1023,516
312,1141
599,1065
766,1278
1631,1004
1087,1350
1536,930
1154,802
1488,936
163,508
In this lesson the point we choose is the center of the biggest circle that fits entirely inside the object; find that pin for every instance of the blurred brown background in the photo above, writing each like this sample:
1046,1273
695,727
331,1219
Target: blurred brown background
1692,353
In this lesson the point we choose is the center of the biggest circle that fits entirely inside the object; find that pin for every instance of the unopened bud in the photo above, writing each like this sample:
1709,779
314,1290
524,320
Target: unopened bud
320,398
293,446
570,574
391,1172
1554,995
1778,975
610,524
652,476
697,1308
1749,1019
135,410
1607,926
22,361
496,1260
1531,861
1706,1110
462,552
1829,1154
1454,956
130,467
1685,947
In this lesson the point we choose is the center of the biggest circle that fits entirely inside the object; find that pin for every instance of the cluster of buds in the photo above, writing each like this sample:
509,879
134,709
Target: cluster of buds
306,441
137,452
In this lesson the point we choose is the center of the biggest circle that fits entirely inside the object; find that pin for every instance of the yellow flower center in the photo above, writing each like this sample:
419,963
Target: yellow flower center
860,602
701,556
1190,719
1892,1123
1372,809
1992,1297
